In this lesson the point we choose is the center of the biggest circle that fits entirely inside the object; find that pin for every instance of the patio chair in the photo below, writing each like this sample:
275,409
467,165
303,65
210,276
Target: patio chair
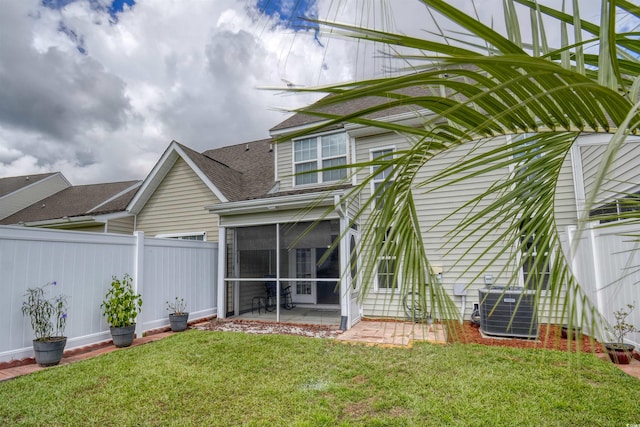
286,300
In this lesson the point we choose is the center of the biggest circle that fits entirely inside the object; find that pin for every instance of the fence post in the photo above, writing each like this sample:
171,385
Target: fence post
138,281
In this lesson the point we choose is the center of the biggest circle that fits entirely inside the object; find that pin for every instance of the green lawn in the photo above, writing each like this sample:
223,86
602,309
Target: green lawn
224,378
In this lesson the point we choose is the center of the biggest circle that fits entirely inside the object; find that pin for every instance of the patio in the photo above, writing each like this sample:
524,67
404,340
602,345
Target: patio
309,315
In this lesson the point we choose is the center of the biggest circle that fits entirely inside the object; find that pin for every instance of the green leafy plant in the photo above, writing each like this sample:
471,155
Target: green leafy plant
621,328
121,305
177,307
48,315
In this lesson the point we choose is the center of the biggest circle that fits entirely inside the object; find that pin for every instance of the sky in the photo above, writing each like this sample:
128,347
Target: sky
97,89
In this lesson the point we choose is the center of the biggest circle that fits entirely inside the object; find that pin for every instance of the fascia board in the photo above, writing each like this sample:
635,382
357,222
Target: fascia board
298,201
153,180
215,190
88,219
285,131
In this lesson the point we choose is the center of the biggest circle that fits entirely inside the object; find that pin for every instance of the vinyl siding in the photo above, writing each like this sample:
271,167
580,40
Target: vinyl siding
177,205
623,176
434,208
90,228
285,165
121,225
565,202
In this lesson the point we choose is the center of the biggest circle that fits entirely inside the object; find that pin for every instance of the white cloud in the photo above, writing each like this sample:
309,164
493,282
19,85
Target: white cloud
100,99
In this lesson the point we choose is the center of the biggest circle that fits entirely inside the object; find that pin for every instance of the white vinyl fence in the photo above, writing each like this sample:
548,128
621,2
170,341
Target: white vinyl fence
83,264
606,262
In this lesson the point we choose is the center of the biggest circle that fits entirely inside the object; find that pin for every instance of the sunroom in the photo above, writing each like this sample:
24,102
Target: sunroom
280,260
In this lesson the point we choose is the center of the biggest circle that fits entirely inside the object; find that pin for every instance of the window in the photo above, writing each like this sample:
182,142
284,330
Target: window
535,265
200,236
320,152
386,280
380,175
618,209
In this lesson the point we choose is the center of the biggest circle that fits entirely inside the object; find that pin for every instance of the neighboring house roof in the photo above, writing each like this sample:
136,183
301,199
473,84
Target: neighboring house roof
18,192
78,200
14,183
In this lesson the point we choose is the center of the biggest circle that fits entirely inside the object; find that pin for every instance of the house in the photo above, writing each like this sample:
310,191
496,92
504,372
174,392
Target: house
95,207
18,192
258,199
266,236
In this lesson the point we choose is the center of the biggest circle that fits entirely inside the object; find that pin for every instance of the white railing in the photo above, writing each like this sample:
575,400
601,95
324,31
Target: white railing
83,264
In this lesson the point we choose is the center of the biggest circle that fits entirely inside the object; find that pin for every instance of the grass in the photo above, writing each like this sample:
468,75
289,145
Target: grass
223,378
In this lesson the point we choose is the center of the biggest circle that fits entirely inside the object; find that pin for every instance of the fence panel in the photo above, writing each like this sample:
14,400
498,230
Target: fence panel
82,265
178,268
607,264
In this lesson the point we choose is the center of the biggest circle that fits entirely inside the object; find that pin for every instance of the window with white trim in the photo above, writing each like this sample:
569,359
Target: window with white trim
535,266
320,152
386,280
380,175
618,209
199,236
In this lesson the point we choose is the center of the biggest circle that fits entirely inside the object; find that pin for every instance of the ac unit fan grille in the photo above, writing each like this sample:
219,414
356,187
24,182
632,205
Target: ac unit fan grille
508,312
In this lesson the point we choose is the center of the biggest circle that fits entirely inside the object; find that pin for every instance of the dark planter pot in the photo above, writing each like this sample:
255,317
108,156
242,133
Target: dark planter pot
49,352
123,336
619,353
178,321
575,329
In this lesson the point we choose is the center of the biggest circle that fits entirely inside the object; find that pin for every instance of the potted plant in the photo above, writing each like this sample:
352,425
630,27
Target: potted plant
178,317
618,351
121,307
48,320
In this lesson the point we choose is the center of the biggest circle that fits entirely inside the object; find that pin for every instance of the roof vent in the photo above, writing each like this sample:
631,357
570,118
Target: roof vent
247,148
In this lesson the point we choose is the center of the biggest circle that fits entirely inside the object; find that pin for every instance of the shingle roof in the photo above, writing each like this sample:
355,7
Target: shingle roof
252,164
77,200
349,107
10,184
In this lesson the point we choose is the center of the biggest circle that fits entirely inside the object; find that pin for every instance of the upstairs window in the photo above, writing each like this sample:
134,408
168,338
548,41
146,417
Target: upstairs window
320,152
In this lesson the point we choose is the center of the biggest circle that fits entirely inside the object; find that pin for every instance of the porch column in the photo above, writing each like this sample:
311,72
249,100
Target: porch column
278,272
345,274
222,262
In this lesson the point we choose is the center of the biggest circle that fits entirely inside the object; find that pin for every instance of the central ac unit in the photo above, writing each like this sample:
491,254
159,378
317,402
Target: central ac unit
508,312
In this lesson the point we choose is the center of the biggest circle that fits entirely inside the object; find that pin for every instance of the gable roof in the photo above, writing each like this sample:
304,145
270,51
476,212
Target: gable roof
78,200
232,173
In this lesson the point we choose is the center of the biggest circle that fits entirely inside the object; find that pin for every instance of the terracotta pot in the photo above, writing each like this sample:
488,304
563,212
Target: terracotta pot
565,332
619,353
